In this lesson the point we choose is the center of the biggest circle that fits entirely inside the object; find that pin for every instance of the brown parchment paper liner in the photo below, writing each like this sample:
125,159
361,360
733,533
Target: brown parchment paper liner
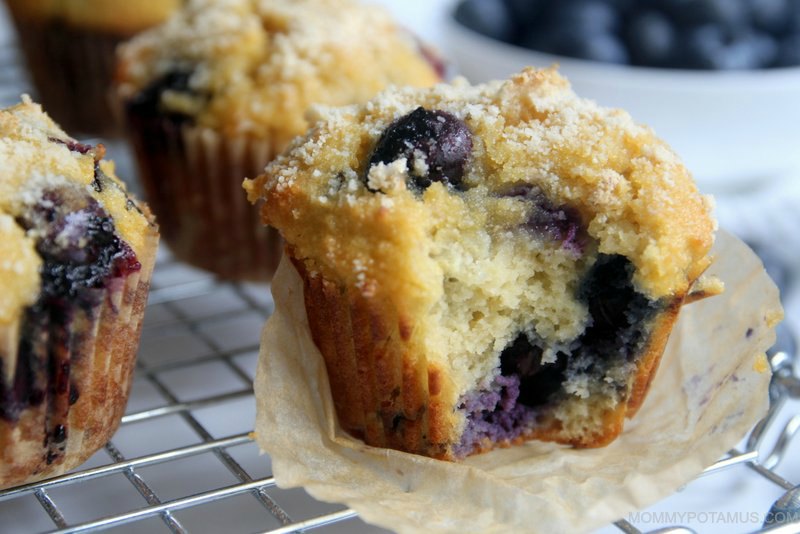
71,69
192,178
710,390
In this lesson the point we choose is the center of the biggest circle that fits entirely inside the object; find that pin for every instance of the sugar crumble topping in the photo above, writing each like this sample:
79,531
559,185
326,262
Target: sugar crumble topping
387,178
35,157
260,64
513,240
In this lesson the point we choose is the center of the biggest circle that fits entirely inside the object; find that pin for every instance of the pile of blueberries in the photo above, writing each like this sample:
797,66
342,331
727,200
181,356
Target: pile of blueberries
679,34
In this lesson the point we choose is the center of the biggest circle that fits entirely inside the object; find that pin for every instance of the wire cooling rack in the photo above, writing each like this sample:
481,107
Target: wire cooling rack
183,461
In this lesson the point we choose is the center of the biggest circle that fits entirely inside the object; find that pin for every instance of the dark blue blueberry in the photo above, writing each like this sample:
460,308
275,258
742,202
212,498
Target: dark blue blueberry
582,16
652,39
793,24
603,47
728,15
525,12
443,140
619,313
710,47
625,6
789,52
538,381
751,50
488,17
147,103
771,16
703,48
81,253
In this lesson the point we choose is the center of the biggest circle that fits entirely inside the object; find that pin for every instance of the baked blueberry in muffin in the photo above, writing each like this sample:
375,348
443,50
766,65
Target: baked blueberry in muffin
75,262
486,265
221,88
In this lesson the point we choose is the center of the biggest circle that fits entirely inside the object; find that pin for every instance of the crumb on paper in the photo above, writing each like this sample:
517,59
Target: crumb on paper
774,317
761,364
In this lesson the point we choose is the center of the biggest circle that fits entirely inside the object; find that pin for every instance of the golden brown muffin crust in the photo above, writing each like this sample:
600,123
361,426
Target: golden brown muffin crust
124,17
456,275
30,161
257,65
639,200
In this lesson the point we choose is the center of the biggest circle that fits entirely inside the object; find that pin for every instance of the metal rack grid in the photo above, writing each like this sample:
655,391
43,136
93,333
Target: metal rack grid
183,460
195,329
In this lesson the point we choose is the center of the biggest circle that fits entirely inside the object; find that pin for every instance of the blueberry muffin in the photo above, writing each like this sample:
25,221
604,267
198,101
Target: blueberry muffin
70,50
221,88
490,264
76,254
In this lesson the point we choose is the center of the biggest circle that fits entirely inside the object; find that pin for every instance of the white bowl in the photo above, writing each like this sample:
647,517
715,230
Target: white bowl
734,130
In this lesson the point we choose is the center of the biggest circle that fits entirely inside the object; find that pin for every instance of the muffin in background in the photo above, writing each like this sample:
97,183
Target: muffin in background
70,45
76,256
221,88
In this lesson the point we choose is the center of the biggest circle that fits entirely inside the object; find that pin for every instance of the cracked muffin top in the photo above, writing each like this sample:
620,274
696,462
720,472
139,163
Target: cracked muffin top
477,211
60,195
523,251
253,67
523,152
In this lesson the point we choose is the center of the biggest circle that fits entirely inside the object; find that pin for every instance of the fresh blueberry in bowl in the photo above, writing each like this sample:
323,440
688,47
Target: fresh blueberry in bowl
651,38
719,80
682,34
489,17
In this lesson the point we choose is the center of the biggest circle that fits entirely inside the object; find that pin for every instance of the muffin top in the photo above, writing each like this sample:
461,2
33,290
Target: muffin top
414,171
42,166
491,225
113,16
253,67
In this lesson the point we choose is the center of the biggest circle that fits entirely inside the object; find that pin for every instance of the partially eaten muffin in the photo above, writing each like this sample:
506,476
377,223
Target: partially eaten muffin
486,265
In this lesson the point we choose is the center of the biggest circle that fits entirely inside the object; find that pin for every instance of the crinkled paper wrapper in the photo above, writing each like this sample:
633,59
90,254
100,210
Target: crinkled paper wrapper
709,392
192,177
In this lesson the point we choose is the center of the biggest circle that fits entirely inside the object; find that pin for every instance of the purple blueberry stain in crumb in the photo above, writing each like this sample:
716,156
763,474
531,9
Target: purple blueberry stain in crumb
493,414
435,144
59,434
72,145
618,326
505,409
749,333
619,314
561,224
81,254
